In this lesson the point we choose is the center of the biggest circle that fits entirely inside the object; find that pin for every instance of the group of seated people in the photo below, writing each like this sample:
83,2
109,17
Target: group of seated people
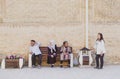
65,52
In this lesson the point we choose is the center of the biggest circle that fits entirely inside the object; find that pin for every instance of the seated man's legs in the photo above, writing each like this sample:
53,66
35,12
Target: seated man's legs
61,59
33,59
40,59
67,57
64,57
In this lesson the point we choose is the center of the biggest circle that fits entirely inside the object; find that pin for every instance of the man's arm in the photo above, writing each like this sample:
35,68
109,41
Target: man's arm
39,44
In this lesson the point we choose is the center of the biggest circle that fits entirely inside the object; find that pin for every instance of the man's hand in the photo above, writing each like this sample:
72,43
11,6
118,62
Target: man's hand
91,48
54,53
101,54
31,53
52,56
66,53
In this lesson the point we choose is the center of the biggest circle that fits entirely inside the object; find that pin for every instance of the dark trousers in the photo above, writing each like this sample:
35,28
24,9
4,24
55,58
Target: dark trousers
101,62
34,59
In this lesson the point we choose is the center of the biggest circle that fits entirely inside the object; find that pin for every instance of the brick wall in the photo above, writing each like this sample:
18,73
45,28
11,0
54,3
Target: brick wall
43,20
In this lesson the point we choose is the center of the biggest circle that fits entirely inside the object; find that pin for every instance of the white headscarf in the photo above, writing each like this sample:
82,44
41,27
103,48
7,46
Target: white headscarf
52,45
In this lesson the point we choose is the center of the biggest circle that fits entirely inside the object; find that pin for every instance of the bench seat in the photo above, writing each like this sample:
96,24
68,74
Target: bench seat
44,51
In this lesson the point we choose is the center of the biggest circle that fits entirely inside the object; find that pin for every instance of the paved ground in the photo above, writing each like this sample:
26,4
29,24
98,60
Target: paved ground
109,72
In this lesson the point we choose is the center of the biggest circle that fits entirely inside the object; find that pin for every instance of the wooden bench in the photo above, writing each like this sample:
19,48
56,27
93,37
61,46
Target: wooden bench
44,51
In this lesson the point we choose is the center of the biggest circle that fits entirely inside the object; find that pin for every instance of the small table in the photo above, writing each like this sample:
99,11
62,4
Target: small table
85,59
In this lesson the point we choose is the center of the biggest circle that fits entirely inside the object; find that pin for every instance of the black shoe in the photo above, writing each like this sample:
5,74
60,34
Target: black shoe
33,66
69,66
96,67
100,68
52,66
61,66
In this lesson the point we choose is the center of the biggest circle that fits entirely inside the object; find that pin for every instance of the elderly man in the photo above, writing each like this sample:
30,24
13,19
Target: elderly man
65,53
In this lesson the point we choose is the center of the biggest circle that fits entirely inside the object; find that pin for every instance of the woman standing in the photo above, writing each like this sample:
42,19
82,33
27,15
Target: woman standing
100,51
52,53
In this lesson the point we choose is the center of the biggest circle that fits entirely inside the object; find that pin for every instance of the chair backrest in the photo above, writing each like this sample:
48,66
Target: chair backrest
44,50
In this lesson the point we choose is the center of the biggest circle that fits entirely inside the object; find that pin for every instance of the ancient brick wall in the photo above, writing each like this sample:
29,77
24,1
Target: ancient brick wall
43,20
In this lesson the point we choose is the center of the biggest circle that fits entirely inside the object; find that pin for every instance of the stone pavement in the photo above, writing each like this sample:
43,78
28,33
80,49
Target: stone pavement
109,72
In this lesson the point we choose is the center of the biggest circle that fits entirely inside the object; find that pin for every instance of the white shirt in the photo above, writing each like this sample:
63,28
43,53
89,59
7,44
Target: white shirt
35,49
100,47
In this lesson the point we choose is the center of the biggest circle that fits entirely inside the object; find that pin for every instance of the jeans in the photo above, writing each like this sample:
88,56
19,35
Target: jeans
101,58
34,59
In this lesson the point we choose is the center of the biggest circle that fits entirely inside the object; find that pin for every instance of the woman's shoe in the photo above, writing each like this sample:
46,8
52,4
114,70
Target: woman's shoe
33,66
100,68
96,67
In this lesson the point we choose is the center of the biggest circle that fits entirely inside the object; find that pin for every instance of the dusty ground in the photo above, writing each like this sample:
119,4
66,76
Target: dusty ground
109,72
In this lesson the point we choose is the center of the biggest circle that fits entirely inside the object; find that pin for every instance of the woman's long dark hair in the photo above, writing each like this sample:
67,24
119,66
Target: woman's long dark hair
101,37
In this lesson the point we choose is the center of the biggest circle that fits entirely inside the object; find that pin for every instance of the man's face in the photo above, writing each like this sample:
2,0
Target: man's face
32,43
51,43
66,44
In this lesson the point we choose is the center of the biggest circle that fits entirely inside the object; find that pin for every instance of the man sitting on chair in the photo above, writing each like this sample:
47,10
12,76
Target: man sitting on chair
65,53
35,51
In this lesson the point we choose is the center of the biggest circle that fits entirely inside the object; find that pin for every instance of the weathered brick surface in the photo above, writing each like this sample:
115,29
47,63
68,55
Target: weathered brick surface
43,20
16,39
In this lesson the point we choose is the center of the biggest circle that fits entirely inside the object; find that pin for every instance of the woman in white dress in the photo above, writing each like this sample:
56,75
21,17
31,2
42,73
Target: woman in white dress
100,51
